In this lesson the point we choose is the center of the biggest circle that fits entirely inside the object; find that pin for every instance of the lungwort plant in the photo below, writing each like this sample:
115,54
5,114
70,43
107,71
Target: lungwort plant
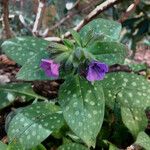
89,98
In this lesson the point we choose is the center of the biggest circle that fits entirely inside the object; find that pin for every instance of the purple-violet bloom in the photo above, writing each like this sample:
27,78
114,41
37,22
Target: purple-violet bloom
96,71
50,67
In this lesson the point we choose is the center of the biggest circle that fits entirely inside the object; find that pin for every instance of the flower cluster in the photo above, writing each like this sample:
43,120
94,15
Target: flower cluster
95,70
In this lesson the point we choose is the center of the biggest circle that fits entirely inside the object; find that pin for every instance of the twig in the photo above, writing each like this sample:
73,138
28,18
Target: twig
38,19
67,17
129,11
53,39
100,8
21,18
10,17
7,30
45,34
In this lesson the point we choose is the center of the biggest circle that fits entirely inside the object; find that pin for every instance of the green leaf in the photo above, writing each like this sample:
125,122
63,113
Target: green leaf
134,119
31,69
3,146
108,28
21,49
72,146
76,37
39,147
15,146
128,89
143,140
132,93
56,47
137,67
68,43
108,52
9,93
86,40
34,124
111,146
83,107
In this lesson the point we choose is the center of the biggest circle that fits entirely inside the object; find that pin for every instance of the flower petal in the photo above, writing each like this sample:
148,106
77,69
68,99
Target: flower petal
96,71
94,75
55,69
103,67
51,69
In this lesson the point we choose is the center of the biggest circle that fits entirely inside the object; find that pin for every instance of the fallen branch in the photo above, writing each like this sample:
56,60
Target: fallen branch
129,11
100,8
67,17
5,4
21,18
38,19
70,15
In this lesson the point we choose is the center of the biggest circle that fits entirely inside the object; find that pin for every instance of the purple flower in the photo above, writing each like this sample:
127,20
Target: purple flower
51,69
96,71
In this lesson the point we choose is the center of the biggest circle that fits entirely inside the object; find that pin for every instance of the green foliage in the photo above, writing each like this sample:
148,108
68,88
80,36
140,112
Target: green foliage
134,119
108,52
27,51
9,93
127,89
80,116
83,107
143,140
31,69
72,146
131,92
39,147
138,67
21,49
3,146
76,37
15,146
34,124
110,30
30,50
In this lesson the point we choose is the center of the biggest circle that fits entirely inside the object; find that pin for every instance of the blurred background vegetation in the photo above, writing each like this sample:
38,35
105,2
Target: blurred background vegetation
60,15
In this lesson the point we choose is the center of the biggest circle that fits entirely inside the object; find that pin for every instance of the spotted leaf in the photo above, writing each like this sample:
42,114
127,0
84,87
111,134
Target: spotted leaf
21,49
35,123
3,146
143,140
9,93
108,52
132,93
31,69
129,90
110,30
72,146
134,119
83,107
